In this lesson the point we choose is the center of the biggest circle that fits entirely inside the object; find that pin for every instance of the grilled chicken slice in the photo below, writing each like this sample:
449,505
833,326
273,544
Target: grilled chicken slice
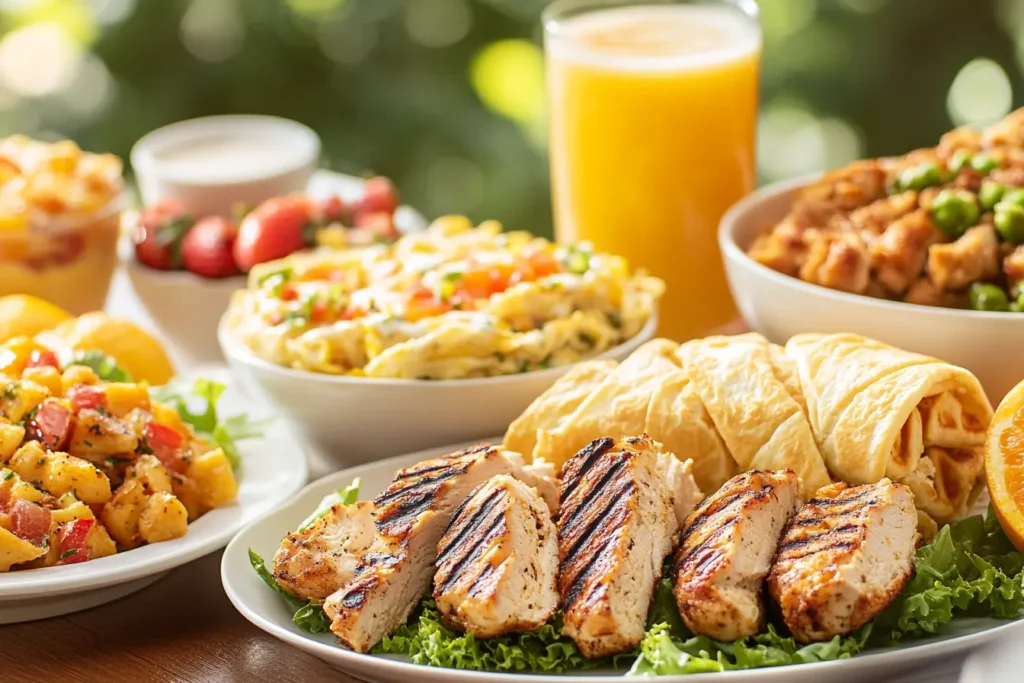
726,552
843,559
541,475
410,518
313,563
497,563
615,528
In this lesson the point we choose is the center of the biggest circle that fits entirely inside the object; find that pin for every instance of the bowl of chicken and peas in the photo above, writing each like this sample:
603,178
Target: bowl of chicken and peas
924,251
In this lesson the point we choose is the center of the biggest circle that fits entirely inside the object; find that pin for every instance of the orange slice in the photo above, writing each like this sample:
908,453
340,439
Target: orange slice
1004,464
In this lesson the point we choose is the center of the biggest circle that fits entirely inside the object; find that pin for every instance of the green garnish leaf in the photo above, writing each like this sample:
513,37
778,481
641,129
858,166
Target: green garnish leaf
309,616
105,367
343,496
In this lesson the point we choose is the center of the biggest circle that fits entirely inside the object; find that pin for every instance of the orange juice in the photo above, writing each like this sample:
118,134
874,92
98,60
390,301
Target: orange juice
653,113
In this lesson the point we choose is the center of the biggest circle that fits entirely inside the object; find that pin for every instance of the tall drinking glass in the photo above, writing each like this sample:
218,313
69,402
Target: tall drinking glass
653,111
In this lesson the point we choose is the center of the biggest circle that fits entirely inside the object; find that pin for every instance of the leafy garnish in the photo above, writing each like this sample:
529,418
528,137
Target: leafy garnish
309,616
344,496
222,433
105,367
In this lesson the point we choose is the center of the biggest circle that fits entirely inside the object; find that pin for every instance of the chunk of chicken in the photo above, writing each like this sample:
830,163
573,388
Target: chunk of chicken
410,517
678,477
615,529
497,563
316,561
726,553
898,255
973,257
838,260
875,218
925,292
842,560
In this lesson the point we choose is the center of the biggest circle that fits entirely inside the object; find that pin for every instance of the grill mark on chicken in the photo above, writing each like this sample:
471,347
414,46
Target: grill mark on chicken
600,518
590,454
479,583
470,525
710,540
834,546
449,461
572,592
496,528
722,505
474,540
596,490
800,542
431,481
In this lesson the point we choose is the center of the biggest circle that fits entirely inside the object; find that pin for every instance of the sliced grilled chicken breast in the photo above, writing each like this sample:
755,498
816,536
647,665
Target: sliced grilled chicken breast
497,563
615,528
541,475
726,552
410,518
843,559
313,563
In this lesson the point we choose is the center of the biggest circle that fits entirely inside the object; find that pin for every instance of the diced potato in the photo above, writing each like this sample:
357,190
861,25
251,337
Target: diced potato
121,515
60,473
18,398
123,398
163,518
214,477
15,550
19,488
11,437
188,492
45,376
14,355
97,436
100,543
151,473
166,415
76,510
78,374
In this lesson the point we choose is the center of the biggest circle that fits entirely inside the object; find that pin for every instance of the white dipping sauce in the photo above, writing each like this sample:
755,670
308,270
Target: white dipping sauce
225,157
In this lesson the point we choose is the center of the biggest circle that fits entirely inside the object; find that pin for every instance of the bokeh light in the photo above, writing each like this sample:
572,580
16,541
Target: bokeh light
38,59
454,185
981,93
792,141
508,76
438,23
212,30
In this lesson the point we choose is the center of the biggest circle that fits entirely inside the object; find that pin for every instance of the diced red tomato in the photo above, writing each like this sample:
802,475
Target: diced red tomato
542,263
289,293
74,538
84,396
41,359
421,302
166,446
51,425
30,522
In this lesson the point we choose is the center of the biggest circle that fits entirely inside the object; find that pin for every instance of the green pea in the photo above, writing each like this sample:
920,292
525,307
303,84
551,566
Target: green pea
920,177
984,164
1014,197
990,194
960,160
954,211
986,297
1009,220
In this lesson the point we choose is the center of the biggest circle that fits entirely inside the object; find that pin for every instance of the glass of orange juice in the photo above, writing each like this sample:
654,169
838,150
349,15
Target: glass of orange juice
652,114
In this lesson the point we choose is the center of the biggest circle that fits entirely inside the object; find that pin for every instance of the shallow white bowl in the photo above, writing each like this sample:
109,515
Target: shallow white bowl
267,610
778,306
273,469
187,307
350,420
159,179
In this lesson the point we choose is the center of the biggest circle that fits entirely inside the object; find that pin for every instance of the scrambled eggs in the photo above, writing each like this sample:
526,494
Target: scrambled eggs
450,302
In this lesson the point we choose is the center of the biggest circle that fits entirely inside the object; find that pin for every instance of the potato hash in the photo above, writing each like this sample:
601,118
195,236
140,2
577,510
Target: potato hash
942,226
450,302
89,467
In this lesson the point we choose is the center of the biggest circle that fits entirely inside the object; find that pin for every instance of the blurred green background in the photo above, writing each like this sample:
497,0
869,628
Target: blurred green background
447,96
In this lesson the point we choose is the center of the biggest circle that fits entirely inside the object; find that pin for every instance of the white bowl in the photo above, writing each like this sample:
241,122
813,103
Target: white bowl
351,420
273,468
779,306
296,152
187,308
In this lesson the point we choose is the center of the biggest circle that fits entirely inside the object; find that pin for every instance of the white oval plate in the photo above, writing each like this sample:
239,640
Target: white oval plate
273,469
267,610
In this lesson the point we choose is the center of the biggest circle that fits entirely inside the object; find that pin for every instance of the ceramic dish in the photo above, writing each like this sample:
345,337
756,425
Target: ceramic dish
266,610
187,307
273,468
779,306
355,419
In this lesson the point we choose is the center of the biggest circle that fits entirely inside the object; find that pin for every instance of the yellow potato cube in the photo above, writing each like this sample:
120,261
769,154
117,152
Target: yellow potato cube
168,416
11,437
14,354
121,515
60,473
45,376
123,398
18,398
188,492
216,481
15,550
78,374
151,473
163,518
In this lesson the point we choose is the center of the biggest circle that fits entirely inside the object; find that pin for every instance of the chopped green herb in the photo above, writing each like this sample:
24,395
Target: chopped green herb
588,339
11,392
614,319
105,367
95,430
283,275
88,444
143,447
68,553
42,461
9,475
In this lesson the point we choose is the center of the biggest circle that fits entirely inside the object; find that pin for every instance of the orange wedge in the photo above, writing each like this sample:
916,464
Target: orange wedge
1004,464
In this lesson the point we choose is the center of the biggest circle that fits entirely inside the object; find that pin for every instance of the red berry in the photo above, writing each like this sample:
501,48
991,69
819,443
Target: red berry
207,249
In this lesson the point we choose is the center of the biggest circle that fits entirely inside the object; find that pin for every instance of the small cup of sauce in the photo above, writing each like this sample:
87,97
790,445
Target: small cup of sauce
215,163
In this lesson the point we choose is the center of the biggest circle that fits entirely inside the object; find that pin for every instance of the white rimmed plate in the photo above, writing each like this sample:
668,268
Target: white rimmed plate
273,469
349,420
267,610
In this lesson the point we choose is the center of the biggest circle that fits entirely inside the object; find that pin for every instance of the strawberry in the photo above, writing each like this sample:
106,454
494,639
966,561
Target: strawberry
159,234
379,196
207,248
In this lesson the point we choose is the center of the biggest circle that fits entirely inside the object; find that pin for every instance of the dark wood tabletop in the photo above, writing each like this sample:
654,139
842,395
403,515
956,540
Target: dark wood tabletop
182,628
